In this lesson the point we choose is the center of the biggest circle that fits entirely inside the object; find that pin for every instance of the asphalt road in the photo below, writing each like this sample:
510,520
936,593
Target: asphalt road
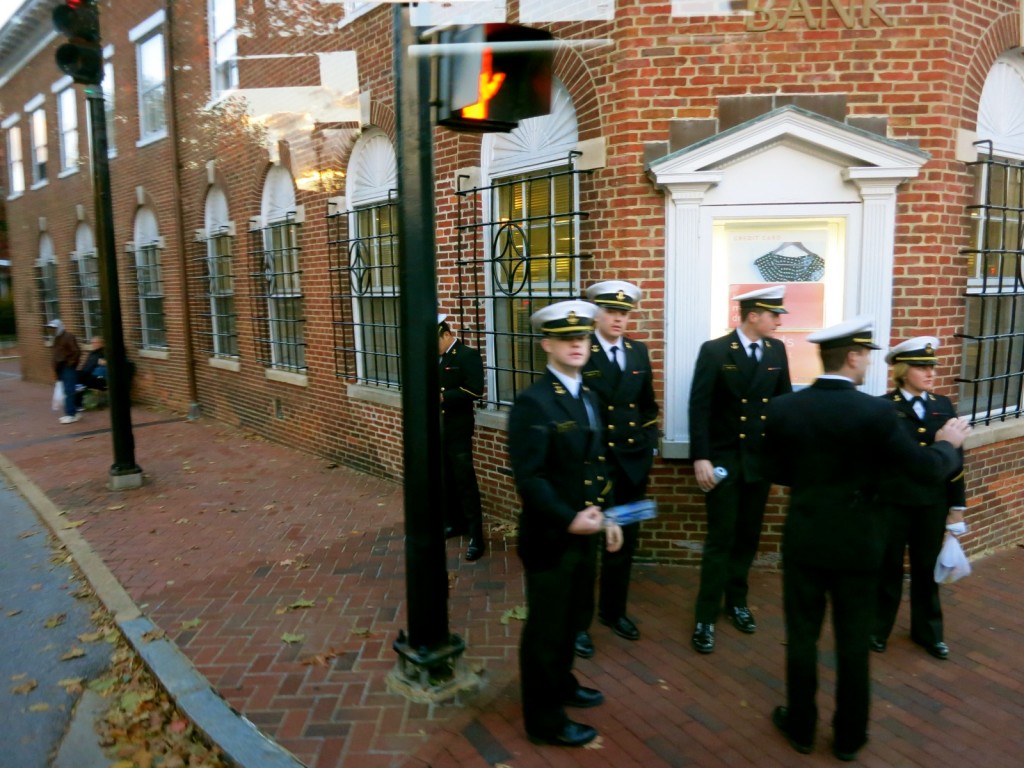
40,622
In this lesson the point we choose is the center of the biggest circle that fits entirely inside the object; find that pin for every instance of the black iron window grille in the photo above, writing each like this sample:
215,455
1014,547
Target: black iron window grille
517,252
992,374
280,334
213,274
363,247
149,286
87,288
46,288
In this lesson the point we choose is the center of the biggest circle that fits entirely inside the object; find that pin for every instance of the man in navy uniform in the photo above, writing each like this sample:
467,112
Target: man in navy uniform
734,378
619,372
461,377
833,446
920,511
557,455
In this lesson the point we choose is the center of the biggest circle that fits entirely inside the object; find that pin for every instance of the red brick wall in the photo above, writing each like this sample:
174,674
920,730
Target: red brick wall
923,73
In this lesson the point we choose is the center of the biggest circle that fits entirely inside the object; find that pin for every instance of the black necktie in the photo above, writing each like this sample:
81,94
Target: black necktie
923,410
754,349
616,368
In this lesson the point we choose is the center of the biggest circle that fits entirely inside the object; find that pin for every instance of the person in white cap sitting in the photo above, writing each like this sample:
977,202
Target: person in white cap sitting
920,511
619,372
65,354
557,457
734,378
833,445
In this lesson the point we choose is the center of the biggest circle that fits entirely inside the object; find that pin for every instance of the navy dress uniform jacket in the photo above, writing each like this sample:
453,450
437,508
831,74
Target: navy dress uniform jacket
902,488
835,447
728,399
461,378
630,410
559,468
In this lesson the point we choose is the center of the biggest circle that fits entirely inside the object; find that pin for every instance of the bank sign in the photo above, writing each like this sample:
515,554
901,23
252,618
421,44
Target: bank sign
767,15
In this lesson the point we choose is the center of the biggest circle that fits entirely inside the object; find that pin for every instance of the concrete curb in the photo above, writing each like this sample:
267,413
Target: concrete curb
240,741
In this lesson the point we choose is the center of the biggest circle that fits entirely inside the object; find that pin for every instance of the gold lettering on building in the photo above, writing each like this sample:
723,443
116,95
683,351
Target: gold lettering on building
766,15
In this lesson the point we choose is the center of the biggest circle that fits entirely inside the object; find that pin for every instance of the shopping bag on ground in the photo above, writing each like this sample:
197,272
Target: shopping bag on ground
952,564
58,396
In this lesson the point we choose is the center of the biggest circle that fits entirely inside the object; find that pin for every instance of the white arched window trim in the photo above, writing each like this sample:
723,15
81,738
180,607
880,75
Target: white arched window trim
1001,110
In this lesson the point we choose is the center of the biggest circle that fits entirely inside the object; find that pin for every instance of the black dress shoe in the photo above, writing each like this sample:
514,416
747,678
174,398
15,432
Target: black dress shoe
779,715
743,619
475,550
877,645
584,698
703,639
622,627
584,646
846,755
939,650
571,734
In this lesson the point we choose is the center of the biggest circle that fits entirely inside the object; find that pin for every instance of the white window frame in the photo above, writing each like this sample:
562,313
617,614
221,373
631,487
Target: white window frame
67,127
47,283
15,157
147,254
84,257
281,218
39,154
142,35
223,48
110,100
220,277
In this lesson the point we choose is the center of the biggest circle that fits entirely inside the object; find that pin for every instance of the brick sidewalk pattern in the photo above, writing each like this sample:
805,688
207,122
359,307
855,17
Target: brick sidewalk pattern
230,530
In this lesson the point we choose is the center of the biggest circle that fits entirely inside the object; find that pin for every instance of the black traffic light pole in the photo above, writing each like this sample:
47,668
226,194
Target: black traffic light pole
430,652
124,473
82,58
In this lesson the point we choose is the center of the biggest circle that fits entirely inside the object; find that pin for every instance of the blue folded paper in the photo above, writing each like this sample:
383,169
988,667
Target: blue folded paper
634,512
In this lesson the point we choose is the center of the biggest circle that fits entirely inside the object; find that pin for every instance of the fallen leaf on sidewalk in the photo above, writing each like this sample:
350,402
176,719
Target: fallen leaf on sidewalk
153,634
290,638
40,707
115,507
73,685
83,592
191,623
518,613
27,687
27,534
15,612
90,637
55,621
181,521
361,631
319,659
74,653
76,524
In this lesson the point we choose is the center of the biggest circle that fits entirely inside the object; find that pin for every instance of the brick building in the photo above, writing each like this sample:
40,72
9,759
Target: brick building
867,153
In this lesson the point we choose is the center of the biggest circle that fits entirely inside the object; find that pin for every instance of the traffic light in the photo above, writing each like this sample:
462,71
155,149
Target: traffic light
82,55
491,88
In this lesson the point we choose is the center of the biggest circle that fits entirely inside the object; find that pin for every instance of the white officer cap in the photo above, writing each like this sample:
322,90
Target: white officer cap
565,319
614,294
441,318
856,332
769,298
919,350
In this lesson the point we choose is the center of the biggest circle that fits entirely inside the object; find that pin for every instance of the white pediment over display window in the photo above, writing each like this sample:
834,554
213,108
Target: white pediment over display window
278,196
787,164
217,216
537,142
1001,111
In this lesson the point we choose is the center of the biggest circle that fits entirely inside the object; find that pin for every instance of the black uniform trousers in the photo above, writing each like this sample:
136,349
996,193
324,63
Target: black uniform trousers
921,529
546,647
735,510
805,590
463,514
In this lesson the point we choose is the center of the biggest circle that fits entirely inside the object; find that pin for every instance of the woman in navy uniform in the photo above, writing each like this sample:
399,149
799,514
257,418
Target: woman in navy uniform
557,455
619,373
832,445
732,384
461,378
919,511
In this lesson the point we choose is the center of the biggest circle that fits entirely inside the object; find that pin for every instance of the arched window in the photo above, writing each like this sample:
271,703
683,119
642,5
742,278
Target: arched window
46,280
221,327
992,372
520,245
364,250
280,336
88,280
147,252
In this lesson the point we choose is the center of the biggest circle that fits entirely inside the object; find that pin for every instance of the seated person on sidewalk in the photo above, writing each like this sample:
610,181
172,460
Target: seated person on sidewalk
93,373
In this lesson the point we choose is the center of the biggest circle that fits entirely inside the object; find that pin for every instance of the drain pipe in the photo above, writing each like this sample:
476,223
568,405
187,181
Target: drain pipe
179,223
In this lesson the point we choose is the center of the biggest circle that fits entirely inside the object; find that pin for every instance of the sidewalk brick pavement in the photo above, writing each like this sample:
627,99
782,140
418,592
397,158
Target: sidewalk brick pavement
230,530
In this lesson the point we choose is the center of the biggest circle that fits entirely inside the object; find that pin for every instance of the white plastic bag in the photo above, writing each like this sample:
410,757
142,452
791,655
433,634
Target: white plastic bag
952,564
58,396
